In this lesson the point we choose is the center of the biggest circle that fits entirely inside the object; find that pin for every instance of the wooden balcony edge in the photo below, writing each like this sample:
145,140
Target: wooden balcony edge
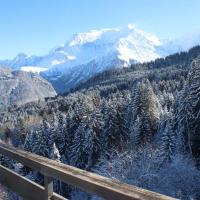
90,182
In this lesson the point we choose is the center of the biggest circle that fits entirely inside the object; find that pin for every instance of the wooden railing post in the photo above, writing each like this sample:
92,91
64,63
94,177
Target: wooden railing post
48,185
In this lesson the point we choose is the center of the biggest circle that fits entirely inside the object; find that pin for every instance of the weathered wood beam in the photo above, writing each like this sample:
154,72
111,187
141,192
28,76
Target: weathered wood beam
48,185
90,182
22,186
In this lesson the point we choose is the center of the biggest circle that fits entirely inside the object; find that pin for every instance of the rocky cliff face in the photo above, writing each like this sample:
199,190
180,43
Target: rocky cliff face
18,87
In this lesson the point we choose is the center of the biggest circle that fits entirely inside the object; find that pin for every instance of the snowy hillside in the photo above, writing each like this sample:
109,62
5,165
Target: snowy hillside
18,87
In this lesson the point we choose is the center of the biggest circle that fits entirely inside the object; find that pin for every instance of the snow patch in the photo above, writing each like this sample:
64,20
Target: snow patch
71,57
56,62
33,69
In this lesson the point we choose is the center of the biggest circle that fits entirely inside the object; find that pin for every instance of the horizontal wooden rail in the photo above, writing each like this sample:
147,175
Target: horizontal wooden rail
22,186
90,182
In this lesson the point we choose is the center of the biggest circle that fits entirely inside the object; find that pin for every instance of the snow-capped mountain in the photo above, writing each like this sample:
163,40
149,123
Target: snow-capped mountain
86,54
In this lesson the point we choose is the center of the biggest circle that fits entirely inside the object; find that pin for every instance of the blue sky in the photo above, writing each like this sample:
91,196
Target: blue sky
36,26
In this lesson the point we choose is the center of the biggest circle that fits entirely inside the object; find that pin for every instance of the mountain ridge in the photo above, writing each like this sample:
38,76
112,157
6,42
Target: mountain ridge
89,53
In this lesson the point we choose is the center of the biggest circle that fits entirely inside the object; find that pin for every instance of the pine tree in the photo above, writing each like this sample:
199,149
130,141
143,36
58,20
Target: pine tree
115,127
61,136
41,140
111,128
79,149
144,111
19,137
96,125
168,142
187,118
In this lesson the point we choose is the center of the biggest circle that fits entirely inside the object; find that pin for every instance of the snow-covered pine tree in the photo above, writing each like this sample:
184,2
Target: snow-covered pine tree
18,138
61,136
55,154
123,132
72,123
96,125
40,141
141,131
115,123
144,113
187,121
168,142
79,149
48,135
111,125
87,144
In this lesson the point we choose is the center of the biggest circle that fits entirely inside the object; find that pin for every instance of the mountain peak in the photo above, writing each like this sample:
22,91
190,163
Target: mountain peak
89,37
20,56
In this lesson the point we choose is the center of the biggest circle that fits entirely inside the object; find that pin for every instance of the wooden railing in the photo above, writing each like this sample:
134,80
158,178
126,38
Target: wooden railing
90,182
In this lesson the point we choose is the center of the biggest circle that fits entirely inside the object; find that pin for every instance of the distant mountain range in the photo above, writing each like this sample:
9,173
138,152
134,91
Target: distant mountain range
89,53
